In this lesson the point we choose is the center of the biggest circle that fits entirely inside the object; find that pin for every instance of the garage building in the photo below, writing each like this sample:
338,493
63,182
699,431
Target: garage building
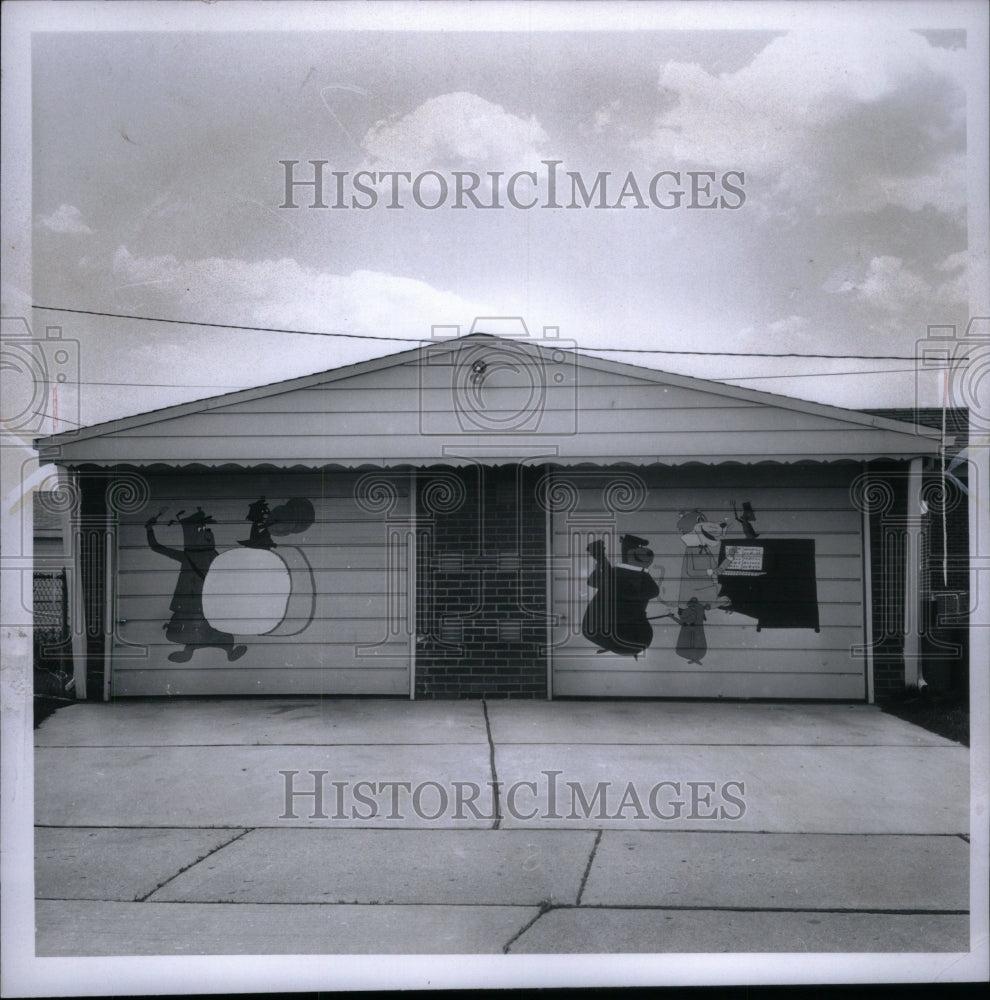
490,516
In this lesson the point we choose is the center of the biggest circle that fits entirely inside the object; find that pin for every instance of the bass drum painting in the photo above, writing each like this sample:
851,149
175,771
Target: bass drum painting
256,591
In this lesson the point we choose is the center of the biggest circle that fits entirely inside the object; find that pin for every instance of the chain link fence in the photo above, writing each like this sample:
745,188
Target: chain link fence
52,642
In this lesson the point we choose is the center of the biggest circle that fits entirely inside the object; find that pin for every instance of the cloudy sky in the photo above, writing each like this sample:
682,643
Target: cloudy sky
157,187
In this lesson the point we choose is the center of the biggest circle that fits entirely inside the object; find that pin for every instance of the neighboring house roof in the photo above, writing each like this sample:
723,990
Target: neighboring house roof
488,399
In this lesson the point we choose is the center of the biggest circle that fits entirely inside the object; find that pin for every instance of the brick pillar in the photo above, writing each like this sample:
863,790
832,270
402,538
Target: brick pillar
481,582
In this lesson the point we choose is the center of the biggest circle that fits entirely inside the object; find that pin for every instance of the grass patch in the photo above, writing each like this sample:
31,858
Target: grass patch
943,715
45,706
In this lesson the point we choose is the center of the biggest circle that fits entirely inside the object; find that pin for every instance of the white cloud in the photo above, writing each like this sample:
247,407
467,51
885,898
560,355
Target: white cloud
455,128
893,288
890,286
65,219
843,118
605,116
955,288
789,325
283,293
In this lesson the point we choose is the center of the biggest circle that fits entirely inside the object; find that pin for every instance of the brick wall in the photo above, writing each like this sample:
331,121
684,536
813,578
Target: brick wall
481,584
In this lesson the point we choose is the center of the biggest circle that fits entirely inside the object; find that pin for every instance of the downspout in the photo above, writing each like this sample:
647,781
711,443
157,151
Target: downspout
867,544
913,676
109,598
68,485
412,584
548,585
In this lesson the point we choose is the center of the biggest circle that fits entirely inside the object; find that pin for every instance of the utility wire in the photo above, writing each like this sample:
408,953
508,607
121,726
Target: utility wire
714,378
162,385
753,354
422,340
871,371
223,326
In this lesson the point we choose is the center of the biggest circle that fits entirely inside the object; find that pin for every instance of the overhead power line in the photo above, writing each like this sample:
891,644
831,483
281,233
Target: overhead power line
714,378
423,340
754,354
223,326
868,371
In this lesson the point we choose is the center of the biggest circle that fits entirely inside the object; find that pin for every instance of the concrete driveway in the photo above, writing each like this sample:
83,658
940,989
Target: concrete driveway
349,826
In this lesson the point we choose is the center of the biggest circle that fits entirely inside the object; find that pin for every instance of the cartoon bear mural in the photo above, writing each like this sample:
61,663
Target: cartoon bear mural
247,591
769,583
702,540
692,643
699,589
615,619
188,625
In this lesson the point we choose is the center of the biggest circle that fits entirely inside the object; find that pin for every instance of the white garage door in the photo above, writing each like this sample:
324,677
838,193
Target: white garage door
277,584
755,589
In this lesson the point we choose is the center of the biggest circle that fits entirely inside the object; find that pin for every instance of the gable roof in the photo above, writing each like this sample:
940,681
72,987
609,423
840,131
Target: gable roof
489,399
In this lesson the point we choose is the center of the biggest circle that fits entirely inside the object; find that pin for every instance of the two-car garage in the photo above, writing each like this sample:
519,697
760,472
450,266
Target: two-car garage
638,534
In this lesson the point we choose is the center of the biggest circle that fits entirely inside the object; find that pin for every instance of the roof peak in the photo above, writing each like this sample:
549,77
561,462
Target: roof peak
547,345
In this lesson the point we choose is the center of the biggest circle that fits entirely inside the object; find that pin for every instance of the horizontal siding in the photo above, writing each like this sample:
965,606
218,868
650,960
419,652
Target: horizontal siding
740,660
799,651
606,416
616,393
836,544
317,656
324,555
356,581
731,685
264,681
834,615
408,413
396,441
345,631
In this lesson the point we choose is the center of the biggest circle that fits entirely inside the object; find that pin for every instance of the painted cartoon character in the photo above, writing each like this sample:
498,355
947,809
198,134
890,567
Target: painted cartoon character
188,625
699,568
615,619
699,589
691,641
247,591
290,518
259,514
702,587
746,519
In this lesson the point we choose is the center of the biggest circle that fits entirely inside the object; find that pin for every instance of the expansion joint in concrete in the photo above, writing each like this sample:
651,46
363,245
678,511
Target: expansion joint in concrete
545,907
185,868
496,802
587,867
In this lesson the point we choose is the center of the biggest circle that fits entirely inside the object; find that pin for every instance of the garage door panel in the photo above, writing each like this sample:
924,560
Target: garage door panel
356,631
321,555
742,685
665,549
263,681
832,615
732,659
297,579
811,541
340,579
